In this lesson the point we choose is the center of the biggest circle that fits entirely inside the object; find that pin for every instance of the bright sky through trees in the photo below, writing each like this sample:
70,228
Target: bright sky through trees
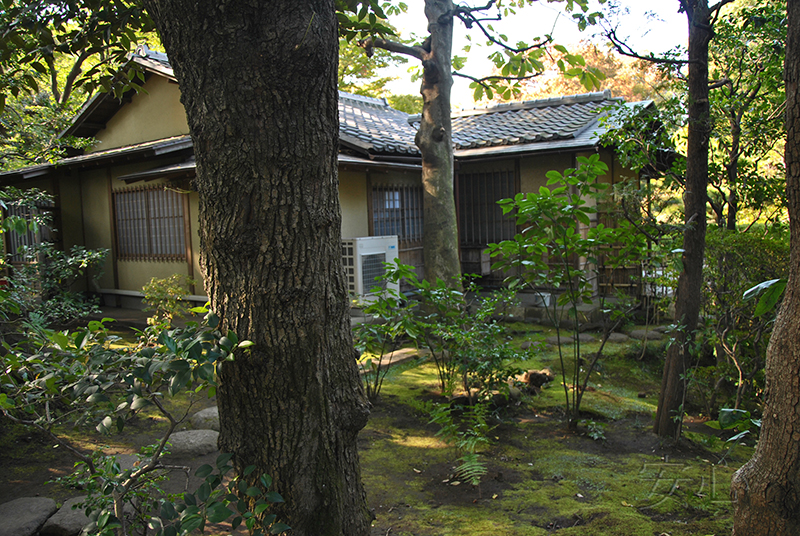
645,34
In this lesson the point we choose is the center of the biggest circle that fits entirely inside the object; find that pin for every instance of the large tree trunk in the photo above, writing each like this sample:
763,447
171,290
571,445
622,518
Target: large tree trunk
258,81
687,303
440,237
766,491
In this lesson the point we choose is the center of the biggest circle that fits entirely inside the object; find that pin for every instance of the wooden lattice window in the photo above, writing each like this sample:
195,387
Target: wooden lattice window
150,224
481,219
397,210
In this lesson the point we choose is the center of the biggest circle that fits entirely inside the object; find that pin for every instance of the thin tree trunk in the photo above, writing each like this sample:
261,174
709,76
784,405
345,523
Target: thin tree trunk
669,415
440,237
258,81
766,490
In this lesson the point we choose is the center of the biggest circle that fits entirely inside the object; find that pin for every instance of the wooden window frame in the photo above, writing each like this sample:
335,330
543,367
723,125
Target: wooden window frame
397,208
150,224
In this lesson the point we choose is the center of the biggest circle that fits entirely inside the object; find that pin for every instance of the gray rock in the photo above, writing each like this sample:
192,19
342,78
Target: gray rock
193,442
66,522
24,516
618,337
207,419
650,335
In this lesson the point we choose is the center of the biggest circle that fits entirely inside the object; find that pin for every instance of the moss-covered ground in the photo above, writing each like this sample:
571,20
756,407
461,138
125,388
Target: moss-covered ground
543,478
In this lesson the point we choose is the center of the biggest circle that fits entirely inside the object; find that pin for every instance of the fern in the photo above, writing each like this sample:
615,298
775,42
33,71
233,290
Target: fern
471,469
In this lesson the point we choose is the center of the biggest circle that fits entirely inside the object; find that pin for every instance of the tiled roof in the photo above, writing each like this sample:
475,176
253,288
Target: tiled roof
374,126
370,126
561,118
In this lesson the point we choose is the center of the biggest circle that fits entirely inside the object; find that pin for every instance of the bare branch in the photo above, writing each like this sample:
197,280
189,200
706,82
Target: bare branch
391,46
716,7
469,20
624,49
482,81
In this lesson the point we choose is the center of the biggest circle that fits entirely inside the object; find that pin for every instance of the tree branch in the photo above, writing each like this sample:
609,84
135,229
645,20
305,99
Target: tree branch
485,78
715,84
392,46
469,20
626,50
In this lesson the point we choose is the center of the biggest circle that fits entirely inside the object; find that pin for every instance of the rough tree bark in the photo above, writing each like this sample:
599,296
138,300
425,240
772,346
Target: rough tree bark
766,490
258,81
687,304
434,139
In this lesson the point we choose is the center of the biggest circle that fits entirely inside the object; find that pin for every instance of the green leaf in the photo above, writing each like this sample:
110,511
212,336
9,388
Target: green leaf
252,491
203,471
249,469
730,418
218,512
223,459
274,497
139,402
191,523
553,176
105,426
203,492
277,528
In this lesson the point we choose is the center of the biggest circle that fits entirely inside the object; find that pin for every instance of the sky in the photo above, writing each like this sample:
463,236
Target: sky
649,26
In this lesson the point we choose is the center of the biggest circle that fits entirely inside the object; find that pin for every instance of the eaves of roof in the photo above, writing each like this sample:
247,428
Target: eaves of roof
119,155
97,111
188,168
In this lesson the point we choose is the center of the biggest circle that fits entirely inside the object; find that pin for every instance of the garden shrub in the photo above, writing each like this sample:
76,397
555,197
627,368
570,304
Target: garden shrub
165,298
730,367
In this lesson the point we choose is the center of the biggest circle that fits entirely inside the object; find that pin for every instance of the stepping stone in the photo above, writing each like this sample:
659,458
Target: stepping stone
193,442
207,419
24,516
650,335
618,337
66,522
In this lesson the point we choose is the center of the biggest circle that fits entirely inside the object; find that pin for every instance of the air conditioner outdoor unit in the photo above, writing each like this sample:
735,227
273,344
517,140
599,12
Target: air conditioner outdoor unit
363,260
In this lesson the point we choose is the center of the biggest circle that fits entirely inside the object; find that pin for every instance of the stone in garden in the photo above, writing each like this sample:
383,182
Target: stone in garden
24,516
618,337
525,345
643,334
193,442
207,419
66,522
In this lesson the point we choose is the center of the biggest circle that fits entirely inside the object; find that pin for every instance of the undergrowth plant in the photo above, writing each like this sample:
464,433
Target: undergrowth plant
467,435
56,380
165,298
557,251
461,331
390,320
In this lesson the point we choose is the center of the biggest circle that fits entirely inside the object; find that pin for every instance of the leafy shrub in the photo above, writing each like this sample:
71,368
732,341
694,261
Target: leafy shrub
165,298
557,231
461,331
43,286
392,319
79,380
735,333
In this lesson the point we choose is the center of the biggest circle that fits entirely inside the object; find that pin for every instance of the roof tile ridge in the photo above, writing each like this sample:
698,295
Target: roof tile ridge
549,102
